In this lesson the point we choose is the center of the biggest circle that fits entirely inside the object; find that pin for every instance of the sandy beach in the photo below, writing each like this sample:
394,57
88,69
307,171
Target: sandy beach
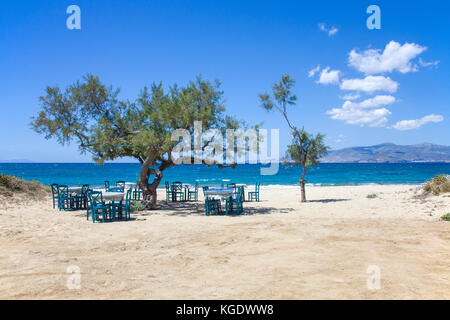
280,249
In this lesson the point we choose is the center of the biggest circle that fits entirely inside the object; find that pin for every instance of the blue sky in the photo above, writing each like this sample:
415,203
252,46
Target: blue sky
246,44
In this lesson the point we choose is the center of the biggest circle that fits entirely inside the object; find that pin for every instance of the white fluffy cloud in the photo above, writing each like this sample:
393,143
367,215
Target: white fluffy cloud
394,57
371,102
365,112
330,30
416,124
312,72
328,76
372,118
370,84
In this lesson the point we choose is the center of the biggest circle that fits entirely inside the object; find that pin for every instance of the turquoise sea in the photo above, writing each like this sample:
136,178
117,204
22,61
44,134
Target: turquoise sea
324,174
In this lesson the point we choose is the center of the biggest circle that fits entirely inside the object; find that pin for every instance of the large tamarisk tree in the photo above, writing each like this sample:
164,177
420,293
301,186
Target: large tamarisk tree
91,114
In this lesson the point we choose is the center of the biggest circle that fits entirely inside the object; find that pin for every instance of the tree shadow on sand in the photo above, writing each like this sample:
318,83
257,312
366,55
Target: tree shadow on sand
327,200
198,209
135,216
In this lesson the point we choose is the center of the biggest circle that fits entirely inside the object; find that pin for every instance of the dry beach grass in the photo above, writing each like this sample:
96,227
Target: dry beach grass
281,249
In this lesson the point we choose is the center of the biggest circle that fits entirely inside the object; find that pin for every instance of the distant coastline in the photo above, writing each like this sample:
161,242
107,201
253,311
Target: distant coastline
381,153
390,153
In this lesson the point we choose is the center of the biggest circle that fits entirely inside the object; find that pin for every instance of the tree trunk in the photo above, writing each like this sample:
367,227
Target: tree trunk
150,196
302,184
149,190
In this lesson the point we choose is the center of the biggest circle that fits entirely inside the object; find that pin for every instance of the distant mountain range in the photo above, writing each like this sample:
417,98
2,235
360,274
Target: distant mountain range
16,161
389,152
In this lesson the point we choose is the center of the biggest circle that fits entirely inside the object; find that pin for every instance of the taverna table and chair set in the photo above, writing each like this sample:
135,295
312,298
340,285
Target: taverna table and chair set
102,203
113,202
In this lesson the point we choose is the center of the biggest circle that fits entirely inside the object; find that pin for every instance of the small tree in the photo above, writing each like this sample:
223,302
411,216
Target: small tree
91,114
305,149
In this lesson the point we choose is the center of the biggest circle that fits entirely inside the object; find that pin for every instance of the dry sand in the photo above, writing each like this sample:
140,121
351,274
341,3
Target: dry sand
281,249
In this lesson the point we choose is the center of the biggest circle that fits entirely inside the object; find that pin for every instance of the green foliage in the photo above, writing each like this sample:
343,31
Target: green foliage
446,217
372,196
305,149
438,185
136,206
282,93
10,185
92,115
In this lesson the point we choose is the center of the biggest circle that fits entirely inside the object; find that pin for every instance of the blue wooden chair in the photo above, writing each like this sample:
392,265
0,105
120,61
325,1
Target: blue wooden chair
81,199
64,199
55,194
212,206
124,207
178,192
254,195
107,185
98,206
240,191
193,195
235,203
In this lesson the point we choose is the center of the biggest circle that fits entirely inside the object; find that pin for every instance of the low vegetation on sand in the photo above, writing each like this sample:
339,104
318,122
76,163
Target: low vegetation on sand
446,217
137,206
438,185
10,185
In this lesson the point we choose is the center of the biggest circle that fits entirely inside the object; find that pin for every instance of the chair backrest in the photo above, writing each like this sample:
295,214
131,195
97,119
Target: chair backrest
120,184
257,185
55,189
95,197
239,193
204,189
177,185
107,185
63,190
196,186
167,186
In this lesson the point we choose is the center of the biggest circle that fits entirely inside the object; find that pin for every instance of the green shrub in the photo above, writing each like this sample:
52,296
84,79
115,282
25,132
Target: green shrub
446,217
437,185
136,206
372,196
